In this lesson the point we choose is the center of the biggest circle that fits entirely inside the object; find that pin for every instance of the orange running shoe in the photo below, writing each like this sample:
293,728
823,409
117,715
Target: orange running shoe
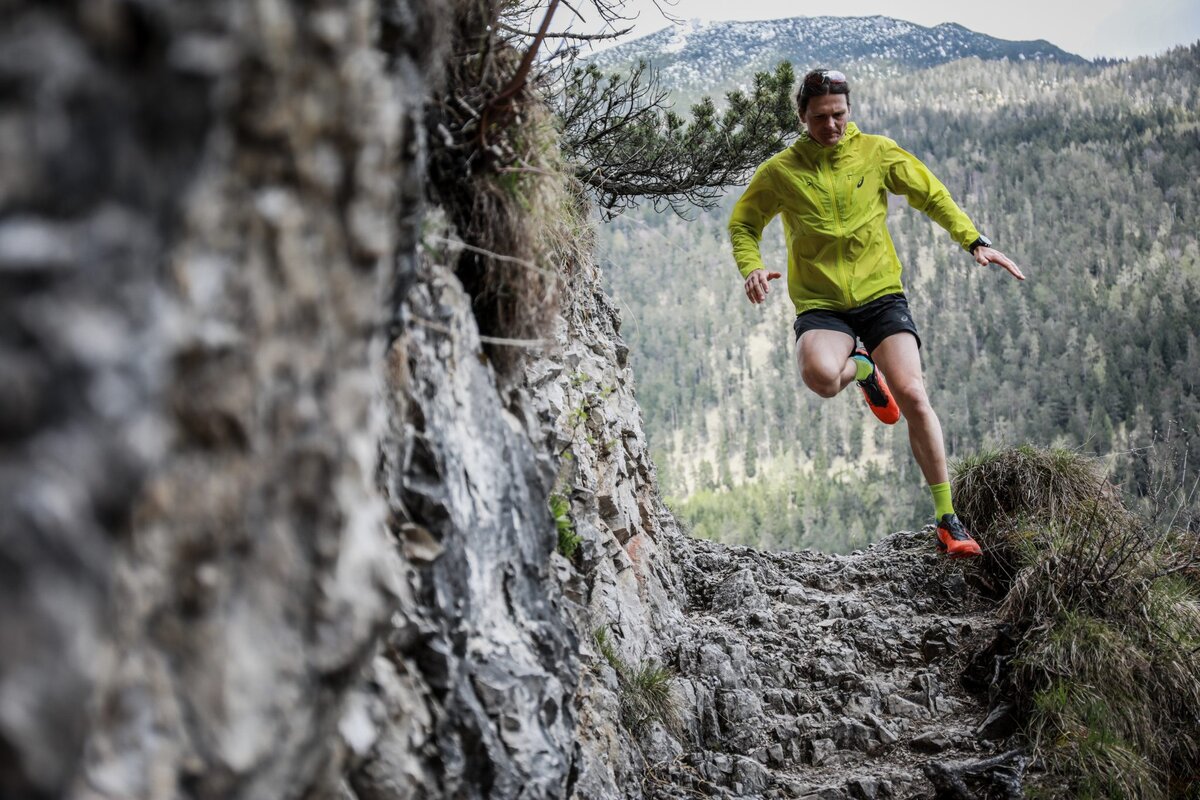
953,539
875,392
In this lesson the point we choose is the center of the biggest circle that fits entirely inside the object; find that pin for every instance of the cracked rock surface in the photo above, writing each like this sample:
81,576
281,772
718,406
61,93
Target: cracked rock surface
795,674
812,675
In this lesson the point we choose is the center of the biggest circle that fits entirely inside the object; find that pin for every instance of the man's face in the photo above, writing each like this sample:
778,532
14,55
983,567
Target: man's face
826,118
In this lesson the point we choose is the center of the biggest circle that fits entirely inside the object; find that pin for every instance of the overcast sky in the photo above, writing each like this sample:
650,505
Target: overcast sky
1090,28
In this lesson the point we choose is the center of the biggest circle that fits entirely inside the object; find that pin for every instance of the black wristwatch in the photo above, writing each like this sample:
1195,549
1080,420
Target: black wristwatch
982,241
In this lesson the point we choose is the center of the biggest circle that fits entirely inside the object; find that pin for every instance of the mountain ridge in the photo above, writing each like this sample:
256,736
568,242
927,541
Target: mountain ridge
704,55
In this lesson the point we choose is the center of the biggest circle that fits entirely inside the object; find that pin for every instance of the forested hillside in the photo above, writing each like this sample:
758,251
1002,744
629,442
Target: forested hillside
1085,174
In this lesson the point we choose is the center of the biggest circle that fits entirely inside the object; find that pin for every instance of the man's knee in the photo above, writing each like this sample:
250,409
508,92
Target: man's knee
821,383
821,356
911,397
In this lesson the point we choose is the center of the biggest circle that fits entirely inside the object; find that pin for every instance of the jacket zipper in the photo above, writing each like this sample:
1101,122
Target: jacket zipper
837,218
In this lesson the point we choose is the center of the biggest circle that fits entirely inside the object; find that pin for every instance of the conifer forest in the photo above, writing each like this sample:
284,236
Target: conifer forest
1085,174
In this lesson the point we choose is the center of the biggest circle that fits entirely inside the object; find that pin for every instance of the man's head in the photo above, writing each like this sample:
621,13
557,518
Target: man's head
818,83
824,105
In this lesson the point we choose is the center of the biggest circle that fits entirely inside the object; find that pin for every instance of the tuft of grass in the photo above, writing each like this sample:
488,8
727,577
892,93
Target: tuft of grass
1096,720
1088,761
646,696
645,691
609,651
511,200
997,487
1054,511
1107,610
568,539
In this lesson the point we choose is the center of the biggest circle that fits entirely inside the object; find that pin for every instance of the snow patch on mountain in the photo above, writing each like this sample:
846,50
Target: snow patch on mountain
699,55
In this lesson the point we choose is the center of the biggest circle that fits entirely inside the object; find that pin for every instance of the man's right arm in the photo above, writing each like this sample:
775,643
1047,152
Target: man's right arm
757,206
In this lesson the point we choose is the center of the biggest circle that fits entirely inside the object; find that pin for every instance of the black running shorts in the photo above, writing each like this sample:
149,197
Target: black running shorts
872,323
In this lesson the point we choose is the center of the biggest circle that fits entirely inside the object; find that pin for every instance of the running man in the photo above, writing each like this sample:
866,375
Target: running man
831,188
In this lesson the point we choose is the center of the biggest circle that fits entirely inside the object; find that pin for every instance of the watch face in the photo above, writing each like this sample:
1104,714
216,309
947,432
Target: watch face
985,241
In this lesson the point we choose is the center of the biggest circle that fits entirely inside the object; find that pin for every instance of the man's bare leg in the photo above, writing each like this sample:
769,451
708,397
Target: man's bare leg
900,360
823,357
826,367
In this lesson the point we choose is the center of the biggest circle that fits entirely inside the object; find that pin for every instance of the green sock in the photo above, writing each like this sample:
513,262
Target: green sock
941,499
862,368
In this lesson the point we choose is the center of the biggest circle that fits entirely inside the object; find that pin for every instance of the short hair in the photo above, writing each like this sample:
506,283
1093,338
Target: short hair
820,82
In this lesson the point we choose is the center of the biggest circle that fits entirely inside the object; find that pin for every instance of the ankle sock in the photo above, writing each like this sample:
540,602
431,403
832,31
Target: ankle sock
862,368
941,499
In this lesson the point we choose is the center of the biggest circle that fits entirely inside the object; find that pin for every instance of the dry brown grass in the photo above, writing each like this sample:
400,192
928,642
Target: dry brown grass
995,488
496,169
1107,671
526,227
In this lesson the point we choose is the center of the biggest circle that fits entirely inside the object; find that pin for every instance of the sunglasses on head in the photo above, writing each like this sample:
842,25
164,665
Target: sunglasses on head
815,81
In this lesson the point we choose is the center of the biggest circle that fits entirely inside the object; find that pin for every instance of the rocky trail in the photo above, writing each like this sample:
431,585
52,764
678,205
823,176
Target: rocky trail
825,676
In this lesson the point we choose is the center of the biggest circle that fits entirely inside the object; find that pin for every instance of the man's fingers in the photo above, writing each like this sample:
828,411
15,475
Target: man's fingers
986,255
758,284
752,292
1008,264
1014,269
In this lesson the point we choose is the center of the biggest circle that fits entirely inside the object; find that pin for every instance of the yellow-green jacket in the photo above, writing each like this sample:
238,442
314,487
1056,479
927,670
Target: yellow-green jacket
834,201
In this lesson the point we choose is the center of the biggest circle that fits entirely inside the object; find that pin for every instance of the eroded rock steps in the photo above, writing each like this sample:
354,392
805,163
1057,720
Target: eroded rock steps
821,676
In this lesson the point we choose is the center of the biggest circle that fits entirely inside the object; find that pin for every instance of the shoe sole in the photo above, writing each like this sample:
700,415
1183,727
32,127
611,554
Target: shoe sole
964,554
967,553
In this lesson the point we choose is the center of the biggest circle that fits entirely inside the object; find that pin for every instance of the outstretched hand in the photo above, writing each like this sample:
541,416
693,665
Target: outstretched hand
758,284
990,255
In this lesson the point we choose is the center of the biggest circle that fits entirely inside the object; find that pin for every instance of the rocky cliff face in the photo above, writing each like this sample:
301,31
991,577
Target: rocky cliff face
272,526
197,225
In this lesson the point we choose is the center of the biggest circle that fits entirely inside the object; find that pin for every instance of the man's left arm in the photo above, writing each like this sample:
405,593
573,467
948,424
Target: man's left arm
904,174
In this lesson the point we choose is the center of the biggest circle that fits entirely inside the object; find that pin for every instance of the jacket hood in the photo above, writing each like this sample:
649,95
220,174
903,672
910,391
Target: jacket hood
811,146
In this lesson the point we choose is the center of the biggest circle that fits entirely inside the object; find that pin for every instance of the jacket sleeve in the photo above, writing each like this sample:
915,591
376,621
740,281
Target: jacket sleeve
904,174
757,206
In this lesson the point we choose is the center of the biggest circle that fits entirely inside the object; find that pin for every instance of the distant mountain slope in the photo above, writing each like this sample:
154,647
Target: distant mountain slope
1084,173
703,56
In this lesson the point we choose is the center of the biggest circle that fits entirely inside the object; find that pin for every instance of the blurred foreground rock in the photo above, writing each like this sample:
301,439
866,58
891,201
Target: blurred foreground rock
197,218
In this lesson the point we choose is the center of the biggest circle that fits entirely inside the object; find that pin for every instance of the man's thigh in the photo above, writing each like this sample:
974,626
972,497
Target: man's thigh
899,355
823,350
